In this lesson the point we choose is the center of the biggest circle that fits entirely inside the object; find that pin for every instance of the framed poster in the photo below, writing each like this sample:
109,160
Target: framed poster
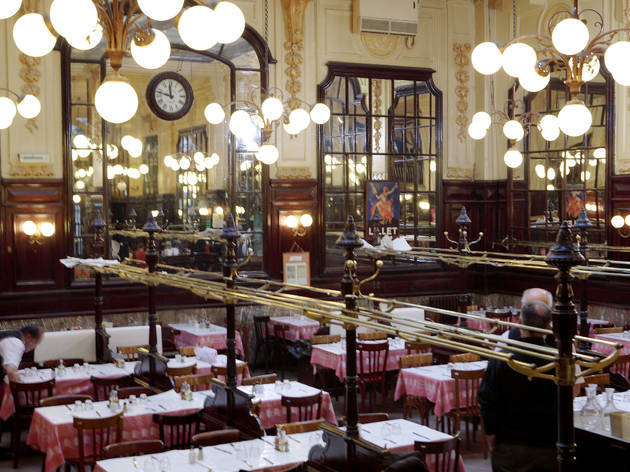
573,203
382,206
296,268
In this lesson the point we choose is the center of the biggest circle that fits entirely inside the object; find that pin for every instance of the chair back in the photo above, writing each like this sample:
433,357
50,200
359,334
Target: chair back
179,371
27,396
412,346
261,328
214,438
93,435
445,453
126,392
366,418
52,363
133,448
103,386
372,361
305,408
280,331
187,351
609,330
63,400
220,371
197,382
466,357
301,426
177,431
130,353
466,387
498,328
325,339
372,336
415,360
168,338
601,380
622,366
322,331
261,379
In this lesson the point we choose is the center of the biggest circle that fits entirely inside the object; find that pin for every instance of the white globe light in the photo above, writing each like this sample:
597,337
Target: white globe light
168,160
184,163
300,118
291,128
29,228
116,100
29,107
241,125
122,186
513,129
133,173
627,220
518,58
208,162
616,221
570,36
8,8
79,184
81,141
272,108
154,54
476,131
214,113
540,171
590,68
550,188
7,112
215,158
112,151
76,199
549,127
432,166
230,22
197,27
486,58
161,10
622,76
127,142
135,150
599,153
85,42
424,205
532,81
198,157
292,221
73,17
267,154
47,229
32,36
320,113
513,158
575,118
616,56
482,119
551,174
306,220
118,169
144,169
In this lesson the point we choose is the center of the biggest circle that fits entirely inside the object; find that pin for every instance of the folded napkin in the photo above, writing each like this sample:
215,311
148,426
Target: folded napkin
386,242
206,354
71,262
366,245
401,244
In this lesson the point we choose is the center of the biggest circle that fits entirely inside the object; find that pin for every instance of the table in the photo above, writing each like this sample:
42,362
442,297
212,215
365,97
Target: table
433,382
482,325
621,338
53,434
214,336
271,410
333,356
299,328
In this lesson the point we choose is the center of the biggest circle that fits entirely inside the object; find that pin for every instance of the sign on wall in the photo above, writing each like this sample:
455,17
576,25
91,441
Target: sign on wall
296,268
383,210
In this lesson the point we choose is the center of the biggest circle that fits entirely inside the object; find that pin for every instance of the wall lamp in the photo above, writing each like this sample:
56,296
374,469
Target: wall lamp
621,224
299,226
37,231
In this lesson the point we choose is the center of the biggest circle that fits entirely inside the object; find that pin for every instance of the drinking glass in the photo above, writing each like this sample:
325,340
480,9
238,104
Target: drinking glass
143,398
178,357
165,464
89,405
148,465
278,386
396,429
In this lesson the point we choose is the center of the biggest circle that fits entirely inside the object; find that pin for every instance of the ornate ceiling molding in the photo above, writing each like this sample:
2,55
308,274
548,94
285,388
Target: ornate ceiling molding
293,12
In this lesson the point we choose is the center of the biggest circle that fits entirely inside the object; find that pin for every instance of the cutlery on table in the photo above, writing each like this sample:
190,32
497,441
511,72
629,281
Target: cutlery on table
222,450
289,436
420,435
268,461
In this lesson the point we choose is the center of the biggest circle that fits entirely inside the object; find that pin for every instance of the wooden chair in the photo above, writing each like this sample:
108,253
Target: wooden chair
466,357
609,330
409,402
130,353
179,371
280,346
301,426
197,382
244,330
325,339
126,392
220,372
261,379
601,380
372,361
366,418
308,408
100,433
415,360
52,363
177,431
497,328
412,346
372,336
28,364
187,351
622,366
445,452
27,397
214,438
103,386
466,406
263,339
133,448
63,400
169,348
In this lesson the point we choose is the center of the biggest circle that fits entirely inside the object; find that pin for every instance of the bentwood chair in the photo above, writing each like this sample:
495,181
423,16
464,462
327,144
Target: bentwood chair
325,339
609,330
52,363
302,408
27,397
622,366
409,402
93,435
466,406
126,392
466,357
63,400
328,380
280,347
220,371
177,431
372,360
130,353
187,351
133,448
301,426
372,336
215,438
197,382
367,418
413,347
601,380
445,453
103,386
260,379
263,339
179,371
169,349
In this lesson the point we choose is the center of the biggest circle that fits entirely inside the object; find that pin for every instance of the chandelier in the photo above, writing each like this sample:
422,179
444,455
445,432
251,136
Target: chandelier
568,47
126,25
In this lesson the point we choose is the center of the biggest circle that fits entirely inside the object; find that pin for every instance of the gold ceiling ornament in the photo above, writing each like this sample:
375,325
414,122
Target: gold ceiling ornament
379,44
293,12
378,109
461,50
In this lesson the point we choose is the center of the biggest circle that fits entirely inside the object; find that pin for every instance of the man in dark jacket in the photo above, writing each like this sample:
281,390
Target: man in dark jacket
519,415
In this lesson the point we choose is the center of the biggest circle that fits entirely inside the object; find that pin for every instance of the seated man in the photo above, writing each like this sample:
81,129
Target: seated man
519,415
530,295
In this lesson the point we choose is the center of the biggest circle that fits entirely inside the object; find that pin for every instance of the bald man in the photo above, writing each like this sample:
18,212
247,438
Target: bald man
529,296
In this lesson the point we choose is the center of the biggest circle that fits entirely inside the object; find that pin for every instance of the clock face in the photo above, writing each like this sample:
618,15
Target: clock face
170,96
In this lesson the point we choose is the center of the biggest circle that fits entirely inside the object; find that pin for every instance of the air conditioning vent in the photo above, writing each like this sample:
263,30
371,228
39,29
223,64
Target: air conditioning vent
398,17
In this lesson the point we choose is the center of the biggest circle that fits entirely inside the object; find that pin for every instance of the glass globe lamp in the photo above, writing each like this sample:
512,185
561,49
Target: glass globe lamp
7,112
29,106
153,54
616,221
197,27
532,81
486,58
184,163
214,113
144,169
8,8
574,118
291,128
116,101
616,56
627,220
73,17
161,10
300,118
513,129
85,42
32,36
513,158
272,108
267,154
306,220
551,174
518,58
476,131
549,127
320,113
483,119
291,221
540,171
230,22
29,228
570,36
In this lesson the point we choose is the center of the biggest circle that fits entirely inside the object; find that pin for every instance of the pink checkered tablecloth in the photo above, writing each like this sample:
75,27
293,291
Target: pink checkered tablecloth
53,434
333,356
214,336
433,382
271,410
299,328
621,338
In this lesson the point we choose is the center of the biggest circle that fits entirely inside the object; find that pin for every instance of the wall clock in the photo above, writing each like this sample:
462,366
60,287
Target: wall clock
169,96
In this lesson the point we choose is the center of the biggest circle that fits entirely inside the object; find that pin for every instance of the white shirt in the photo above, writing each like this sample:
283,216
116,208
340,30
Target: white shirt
11,350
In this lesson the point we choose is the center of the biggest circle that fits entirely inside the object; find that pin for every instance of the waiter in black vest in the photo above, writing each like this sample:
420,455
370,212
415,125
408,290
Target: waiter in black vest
13,345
